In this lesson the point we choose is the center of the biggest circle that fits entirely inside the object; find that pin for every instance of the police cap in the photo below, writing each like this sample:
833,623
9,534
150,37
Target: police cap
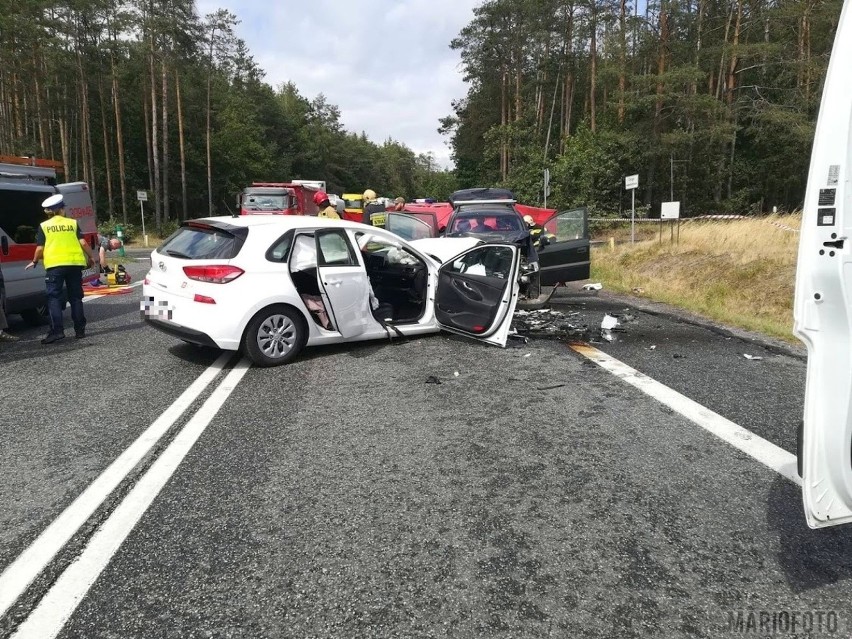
53,203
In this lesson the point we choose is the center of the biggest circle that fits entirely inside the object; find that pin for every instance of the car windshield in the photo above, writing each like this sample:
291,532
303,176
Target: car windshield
352,204
257,202
486,222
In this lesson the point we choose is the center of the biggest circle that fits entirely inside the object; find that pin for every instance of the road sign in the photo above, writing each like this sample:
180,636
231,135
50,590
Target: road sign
631,182
142,196
670,211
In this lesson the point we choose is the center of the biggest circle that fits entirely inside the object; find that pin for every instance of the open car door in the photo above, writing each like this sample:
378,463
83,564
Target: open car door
343,282
412,226
477,292
823,304
566,257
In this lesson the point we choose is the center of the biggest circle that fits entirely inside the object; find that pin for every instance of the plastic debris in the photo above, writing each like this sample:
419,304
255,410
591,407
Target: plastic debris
653,347
638,290
456,374
593,287
752,357
609,322
528,355
432,380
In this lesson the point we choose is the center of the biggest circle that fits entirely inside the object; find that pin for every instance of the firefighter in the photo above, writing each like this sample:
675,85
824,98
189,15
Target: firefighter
60,242
325,208
539,235
399,204
374,211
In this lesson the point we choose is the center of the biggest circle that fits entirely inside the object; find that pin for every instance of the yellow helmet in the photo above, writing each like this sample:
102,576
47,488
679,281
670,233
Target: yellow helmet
369,195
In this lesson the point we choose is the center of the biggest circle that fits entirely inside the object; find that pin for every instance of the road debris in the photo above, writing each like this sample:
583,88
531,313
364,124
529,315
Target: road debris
607,324
432,380
752,357
593,287
638,290
455,374
551,324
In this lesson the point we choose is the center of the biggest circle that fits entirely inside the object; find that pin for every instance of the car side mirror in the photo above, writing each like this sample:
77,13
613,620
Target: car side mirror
4,245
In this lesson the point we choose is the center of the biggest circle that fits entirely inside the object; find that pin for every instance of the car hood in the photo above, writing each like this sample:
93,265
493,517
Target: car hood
444,248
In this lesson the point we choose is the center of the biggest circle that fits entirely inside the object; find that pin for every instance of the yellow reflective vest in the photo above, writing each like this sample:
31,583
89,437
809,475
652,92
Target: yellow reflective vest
61,244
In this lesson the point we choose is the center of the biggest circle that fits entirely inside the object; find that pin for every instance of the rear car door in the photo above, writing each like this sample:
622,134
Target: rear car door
477,292
412,226
823,307
567,256
343,281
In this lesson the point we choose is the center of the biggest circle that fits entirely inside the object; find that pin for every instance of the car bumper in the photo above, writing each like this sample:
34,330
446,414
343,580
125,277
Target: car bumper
181,332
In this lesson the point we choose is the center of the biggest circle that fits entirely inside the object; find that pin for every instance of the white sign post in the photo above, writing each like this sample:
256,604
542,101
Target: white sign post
142,196
546,186
670,211
631,183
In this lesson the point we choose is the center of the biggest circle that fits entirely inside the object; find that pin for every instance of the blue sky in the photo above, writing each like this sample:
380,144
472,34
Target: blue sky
386,63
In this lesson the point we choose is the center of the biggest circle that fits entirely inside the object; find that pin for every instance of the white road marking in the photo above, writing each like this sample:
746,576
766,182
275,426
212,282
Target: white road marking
57,606
17,577
754,446
98,296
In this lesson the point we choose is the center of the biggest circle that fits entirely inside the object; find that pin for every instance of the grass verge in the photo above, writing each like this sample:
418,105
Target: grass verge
737,272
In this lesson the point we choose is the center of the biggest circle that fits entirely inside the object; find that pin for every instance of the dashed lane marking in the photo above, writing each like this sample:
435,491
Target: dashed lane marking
754,446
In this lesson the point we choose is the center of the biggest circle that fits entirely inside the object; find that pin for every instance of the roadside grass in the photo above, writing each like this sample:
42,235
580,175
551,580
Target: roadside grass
738,272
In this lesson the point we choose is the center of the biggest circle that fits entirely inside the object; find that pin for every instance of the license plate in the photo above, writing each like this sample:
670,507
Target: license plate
157,309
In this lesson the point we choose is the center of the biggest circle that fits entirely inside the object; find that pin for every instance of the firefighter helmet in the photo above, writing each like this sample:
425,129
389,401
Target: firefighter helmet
320,197
369,195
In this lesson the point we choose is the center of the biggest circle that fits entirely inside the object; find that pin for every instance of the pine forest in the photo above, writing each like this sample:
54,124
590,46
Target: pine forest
711,102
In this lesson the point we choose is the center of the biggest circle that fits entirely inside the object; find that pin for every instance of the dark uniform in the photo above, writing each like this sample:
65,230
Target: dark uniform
374,214
59,238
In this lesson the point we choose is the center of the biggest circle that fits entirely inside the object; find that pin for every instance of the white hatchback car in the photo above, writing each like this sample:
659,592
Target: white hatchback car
270,285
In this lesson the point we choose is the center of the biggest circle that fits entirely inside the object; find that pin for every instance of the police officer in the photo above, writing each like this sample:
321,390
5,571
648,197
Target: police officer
60,242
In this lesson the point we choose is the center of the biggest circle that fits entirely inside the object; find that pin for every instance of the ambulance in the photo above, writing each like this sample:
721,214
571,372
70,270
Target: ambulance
24,184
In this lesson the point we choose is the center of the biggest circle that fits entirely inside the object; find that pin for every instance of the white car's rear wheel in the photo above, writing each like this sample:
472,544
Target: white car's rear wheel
275,336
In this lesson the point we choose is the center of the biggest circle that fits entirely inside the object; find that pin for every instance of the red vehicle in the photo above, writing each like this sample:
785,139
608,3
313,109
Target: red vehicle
278,198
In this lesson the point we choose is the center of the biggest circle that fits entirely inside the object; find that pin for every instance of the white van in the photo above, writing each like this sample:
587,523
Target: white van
22,190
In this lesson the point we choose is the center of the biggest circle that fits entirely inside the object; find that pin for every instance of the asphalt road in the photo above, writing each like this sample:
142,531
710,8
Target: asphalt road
534,494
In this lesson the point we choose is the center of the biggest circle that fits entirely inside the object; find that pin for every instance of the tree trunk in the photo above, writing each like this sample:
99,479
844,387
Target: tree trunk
184,214
120,140
107,149
593,66
622,60
155,144
147,135
165,143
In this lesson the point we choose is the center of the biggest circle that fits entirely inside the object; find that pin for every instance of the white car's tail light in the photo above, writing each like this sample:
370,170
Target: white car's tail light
213,274
203,299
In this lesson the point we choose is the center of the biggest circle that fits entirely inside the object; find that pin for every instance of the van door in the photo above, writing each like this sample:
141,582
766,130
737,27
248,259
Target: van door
823,308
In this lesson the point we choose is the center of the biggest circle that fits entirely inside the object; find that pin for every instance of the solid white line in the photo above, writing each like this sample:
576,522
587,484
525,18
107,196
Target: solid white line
20,573
98,296
754,446
57,606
